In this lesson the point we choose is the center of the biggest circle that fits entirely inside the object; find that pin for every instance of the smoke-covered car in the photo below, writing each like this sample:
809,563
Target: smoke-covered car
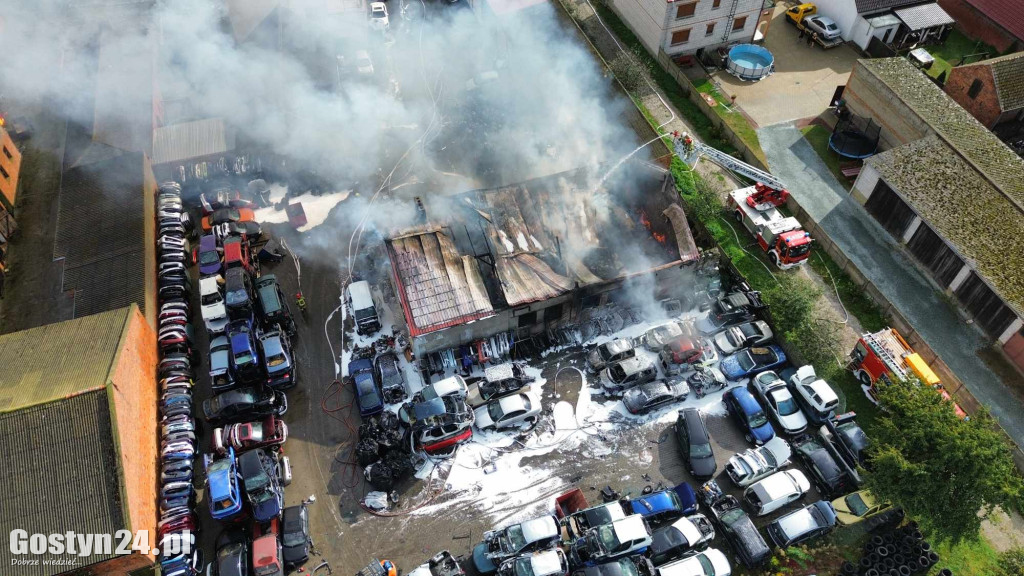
224,198
658,337
654,395
685,352
508,411
815,396
522,538
610,352
220,365
683,537
751,360
245,404
543,563
637,565
621,538
389,374
261,476
756,333
363,63
730,309
225,215
251,230
753,464
779,402
625,374
498,381
735,525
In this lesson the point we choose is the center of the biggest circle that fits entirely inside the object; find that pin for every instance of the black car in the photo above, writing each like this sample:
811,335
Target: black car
232,557
261,477
273,308
695,443
733,308
828,472
629,566
244,404
295,535
238,293
734,523
682,538
389,375
848,439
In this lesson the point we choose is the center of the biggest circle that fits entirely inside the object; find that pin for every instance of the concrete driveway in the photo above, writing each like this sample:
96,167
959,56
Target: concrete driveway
804,80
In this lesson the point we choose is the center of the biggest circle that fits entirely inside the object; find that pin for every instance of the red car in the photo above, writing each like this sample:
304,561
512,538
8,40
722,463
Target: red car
225,215
269,433
687,350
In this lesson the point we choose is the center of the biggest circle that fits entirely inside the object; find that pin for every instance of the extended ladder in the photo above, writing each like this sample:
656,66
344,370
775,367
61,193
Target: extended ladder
879,345
690,154
730,20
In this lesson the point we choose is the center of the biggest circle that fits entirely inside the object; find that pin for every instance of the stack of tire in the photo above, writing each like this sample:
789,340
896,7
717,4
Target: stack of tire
900,552
380,451
176,530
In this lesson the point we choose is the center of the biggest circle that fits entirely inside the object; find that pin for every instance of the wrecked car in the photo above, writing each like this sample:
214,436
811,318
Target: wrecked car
626,374
544,563
498,381
438,425
609,353
603,543
753,464
577,523
500,545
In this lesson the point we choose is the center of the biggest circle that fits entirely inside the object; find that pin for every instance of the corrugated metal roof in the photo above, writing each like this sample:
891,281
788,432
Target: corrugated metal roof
101,234
924,16
870,6
1006,13
59,360
60,472
188,140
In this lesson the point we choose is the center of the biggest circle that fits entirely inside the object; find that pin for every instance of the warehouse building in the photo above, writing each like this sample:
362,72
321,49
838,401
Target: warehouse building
78,424
532,256
949,190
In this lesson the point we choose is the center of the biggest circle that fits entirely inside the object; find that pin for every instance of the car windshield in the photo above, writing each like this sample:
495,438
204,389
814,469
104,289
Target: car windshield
604,352
745,361
257,480
758,419
523,566
296,538
237,296
856,504
800,250
831,26
368,398
606,534
495,412
243,358
700,450
628,568
618,373
220,465
365,313
515,537
211,257
212,298
733,516
786,406
706,565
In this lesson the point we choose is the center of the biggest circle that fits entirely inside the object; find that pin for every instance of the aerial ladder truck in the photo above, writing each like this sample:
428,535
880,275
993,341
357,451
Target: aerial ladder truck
781,237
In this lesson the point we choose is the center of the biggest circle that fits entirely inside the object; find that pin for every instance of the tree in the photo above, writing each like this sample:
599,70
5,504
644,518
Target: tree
1011,562
948,473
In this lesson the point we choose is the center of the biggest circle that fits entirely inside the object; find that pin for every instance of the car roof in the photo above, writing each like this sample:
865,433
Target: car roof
688,529
618,345
780,484
499,372
778,448
695,425
292,518
539,528
822,389
745,399
635,364
546,563
513,403
797,522
272,343
692,567
657,501
264,550
630,528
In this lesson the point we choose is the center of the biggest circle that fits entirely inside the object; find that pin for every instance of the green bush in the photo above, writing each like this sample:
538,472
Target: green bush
629,70
1011,562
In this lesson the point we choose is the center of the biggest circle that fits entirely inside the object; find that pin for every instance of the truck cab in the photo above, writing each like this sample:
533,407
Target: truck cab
360,301
781,237
796,14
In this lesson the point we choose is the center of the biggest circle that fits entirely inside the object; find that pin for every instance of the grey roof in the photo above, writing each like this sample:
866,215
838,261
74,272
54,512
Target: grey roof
924,16
976,144
189,140
962,207
60,472
870,6
101,233
1008,72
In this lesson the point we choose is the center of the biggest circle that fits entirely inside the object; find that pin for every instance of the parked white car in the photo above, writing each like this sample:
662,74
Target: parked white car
215,315
363,63
781,405
379,15
508,411
543,563
756,333
753,464
451,386
816,397
625,374
775,491
710,562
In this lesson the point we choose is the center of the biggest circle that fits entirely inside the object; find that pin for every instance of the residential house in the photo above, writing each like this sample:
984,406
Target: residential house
950,190
892,22
682,27
992,91
998,23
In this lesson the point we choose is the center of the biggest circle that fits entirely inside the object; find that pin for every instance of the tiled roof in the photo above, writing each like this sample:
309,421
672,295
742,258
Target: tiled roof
961,131
962,207
101,234
59,360
1009,74
1006,13
871,6
60,472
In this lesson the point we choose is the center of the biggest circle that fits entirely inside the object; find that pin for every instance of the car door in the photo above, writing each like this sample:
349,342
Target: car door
511,418
684,440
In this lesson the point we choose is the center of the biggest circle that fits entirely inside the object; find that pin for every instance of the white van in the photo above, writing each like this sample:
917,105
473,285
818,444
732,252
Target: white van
364,311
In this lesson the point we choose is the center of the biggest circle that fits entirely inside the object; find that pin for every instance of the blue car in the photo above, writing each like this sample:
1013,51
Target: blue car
749,414
245,360
751,360
225,495
665,505
370,399
277,360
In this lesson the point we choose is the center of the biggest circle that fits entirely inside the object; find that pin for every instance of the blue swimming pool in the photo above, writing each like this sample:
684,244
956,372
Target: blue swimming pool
750,62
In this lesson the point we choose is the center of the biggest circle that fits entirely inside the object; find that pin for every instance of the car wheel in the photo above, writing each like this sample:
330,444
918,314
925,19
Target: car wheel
738,215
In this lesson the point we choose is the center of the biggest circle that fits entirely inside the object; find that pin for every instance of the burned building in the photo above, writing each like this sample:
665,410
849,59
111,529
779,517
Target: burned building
518,260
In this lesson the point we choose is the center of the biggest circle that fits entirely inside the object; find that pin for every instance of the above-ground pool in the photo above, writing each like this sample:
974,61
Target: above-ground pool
750,62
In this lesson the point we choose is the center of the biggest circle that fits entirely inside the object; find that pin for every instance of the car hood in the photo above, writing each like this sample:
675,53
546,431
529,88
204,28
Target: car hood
763,433
212,268
480,560
730,366
214,311
266,510
794,422
482,417
703,467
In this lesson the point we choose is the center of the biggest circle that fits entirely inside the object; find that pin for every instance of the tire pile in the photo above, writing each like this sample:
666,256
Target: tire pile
900,552
178,523
381,452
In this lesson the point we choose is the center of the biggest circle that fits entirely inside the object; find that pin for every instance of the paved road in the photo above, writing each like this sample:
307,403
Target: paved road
877,254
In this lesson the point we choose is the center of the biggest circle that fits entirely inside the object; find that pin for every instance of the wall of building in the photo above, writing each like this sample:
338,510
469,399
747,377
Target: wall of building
133,398
843,12
655,22
130,565
973,23
10,162
985,105
869,97
149,191
646,18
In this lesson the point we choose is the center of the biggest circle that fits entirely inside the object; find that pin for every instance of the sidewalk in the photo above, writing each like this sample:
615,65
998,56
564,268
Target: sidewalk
877,253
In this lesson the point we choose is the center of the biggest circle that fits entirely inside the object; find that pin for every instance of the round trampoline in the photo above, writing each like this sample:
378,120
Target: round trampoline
750,62
854,137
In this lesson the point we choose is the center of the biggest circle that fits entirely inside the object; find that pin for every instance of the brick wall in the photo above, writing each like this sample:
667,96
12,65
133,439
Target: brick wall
985,105
869,97
11,166
134,406
973,23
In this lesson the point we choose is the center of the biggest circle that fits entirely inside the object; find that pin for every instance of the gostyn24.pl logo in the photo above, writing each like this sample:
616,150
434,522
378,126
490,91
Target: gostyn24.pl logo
121,542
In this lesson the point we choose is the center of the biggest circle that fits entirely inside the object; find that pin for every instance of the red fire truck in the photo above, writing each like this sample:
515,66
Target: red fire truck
885,354
781,237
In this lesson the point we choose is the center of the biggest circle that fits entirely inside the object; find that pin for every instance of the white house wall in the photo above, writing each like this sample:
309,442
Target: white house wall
647,19
654,22
843,13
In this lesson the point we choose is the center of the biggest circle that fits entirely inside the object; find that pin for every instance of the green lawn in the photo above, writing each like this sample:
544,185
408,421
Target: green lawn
818,137
956,46
739,124
976,557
